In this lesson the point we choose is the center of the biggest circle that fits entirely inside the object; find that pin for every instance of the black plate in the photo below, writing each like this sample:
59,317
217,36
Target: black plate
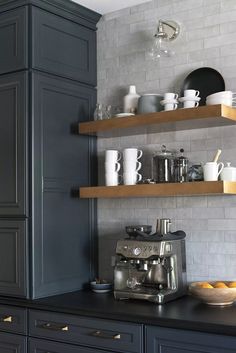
206,80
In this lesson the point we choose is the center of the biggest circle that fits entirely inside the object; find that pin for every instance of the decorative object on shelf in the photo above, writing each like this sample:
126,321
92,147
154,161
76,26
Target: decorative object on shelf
206,80
167,31
131,166
228,173
212,170
149,103
131,100
195,172
107,112
163,165
181,168
98,113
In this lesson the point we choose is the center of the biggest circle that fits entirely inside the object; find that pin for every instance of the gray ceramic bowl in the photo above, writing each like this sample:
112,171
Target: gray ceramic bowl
149,103
100,287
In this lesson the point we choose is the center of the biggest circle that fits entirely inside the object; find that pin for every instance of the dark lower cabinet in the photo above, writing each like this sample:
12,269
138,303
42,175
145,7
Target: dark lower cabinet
13,258
164,340
10,343
44,346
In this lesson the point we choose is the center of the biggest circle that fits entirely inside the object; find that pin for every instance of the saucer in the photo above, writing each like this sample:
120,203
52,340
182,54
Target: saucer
120,115
184,99
166,101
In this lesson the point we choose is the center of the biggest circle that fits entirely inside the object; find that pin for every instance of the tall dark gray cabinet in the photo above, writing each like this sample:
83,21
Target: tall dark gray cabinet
47,86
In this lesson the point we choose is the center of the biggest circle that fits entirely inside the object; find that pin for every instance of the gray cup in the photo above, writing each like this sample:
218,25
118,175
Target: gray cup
149,103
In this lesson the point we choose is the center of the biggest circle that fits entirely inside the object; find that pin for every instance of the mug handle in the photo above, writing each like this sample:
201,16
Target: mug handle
117,168
139,165
139,177
196,104
120,179
139,154
197,93
221,165
175,106
176,96
119,156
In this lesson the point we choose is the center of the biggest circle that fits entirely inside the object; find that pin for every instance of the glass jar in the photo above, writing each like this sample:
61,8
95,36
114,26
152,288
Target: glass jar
163,164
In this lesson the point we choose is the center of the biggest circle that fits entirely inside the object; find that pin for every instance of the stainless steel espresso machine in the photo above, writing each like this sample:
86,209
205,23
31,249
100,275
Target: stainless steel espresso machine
151,267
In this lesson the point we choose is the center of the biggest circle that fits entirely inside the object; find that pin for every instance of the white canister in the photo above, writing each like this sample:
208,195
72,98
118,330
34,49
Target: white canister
228,173
131,100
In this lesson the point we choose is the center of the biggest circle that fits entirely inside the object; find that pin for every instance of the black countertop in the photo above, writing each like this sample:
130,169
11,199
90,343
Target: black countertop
184,313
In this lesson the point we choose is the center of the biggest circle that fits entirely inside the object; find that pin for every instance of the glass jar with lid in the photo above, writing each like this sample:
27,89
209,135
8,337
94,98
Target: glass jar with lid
163,166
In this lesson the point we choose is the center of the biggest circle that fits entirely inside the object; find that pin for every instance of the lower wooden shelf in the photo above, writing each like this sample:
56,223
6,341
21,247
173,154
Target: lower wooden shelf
155,190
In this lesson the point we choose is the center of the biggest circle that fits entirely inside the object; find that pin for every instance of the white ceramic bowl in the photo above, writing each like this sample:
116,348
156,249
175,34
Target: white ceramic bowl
220,100
225,94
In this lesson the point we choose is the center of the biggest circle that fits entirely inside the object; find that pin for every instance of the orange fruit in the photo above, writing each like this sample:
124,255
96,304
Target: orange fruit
205,285
220,285
232,285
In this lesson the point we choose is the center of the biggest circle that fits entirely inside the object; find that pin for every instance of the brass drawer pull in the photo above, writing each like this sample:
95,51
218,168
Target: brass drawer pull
7,319
54,327
101,334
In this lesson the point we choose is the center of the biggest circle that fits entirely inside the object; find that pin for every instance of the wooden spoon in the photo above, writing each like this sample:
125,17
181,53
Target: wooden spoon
218,153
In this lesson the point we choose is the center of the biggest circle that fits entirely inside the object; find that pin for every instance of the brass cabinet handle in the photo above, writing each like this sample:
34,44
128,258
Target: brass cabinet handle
101,334
7,319
54,327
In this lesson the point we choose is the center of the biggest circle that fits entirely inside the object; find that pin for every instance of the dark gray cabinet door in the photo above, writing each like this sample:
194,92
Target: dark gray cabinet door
63,226
13,258
13,144
13,40
179,341
12,343
63,47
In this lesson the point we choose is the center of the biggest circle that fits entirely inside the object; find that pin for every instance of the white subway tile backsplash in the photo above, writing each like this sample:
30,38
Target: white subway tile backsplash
207,39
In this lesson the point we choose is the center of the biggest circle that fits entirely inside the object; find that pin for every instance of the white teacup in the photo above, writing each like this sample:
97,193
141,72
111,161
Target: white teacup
131,178
170,106
191,93
170,96
112,179
131,165
191,104
132,153
212,170
112,156
112,167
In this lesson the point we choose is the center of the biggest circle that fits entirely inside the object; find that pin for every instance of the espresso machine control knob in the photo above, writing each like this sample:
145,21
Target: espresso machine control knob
136,251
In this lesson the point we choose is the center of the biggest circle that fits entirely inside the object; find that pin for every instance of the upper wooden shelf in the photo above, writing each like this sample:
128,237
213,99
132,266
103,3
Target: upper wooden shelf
180,119
166,189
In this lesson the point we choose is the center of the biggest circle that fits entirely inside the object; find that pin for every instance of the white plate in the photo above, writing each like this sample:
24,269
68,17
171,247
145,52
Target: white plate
184,99
120,115
101,290
168,101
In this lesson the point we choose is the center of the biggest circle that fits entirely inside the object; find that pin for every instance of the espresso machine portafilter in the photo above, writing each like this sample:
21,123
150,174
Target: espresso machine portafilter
151,267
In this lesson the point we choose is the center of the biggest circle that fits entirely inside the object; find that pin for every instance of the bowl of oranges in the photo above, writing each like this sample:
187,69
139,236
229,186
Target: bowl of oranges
214,293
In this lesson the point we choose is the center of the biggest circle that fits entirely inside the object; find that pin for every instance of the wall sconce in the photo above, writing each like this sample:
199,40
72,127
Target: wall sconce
167,31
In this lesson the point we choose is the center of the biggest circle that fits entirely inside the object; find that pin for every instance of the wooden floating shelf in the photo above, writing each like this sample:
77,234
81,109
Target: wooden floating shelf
190,118
155,190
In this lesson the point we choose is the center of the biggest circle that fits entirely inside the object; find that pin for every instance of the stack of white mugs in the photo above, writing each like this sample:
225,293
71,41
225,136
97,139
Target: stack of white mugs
131,166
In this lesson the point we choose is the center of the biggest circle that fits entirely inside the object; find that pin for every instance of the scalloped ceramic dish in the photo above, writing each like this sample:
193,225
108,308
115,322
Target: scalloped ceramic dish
213,296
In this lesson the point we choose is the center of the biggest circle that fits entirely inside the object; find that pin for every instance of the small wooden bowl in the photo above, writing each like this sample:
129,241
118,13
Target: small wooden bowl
213,296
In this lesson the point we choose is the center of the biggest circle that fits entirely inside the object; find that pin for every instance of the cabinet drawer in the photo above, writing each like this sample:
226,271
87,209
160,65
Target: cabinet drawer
10,343
63,47
44,346
13,319
105,334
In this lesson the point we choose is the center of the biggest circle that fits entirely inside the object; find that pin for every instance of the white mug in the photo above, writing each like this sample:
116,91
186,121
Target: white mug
212,170
132,153
131,178
191,104
112,156
191,93
112,167
170,106
170,96
112,179
131,165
